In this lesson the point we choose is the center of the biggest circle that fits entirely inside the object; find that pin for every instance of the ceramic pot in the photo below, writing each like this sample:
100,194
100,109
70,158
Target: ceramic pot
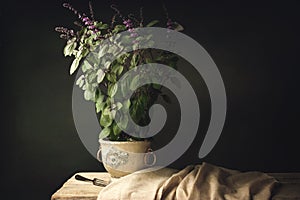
124,157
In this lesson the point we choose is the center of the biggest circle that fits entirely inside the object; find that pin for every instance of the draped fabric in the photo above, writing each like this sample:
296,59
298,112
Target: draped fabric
197,182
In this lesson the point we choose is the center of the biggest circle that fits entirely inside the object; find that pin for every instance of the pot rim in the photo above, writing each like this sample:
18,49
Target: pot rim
122,142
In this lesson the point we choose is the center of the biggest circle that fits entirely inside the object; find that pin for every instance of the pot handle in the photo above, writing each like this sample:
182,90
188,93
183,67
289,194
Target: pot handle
149,153
99,156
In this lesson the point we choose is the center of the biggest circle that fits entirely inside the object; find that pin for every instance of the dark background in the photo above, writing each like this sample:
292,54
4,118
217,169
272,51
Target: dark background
254,44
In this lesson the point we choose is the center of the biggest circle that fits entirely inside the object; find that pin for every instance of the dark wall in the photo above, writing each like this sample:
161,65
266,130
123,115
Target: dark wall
255,46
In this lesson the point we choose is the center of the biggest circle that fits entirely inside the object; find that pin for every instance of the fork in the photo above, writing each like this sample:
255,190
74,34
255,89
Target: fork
95,181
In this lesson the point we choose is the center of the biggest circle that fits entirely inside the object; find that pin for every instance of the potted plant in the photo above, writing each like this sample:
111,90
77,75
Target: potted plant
99,84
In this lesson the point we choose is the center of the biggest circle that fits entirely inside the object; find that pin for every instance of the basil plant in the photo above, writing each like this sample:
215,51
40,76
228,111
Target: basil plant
100,75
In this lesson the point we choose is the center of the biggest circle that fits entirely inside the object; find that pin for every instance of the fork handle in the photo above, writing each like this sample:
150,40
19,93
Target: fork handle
81,178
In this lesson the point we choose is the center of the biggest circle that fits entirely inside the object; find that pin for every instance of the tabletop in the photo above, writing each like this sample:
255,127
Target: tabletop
73,189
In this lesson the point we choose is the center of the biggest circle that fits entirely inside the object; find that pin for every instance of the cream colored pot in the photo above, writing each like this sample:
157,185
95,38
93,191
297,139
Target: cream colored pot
124,157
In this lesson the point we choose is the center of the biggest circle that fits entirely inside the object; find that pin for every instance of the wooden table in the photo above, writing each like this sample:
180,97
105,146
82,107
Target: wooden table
75,190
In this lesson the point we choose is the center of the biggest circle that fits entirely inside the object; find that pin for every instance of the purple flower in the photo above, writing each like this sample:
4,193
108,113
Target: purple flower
85,19
133,34
169,24
127,22
88,23
66,33
129,25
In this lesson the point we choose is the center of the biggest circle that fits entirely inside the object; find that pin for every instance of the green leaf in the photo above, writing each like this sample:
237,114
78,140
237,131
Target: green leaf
80,81
105,120
149,37
117,69
108,100
125,86
123,121
79,52
126,104
85,51
100,25
150,43
114,49
178,27
116,129
156,86
100,75
119,28
104,133
126,40
70,46
152,23
119,105
116,106
89,40
120,70
100,106
143,100
90,87
106,111
91,77
89,95
100,98
113,114
159,58
134,60
112,77
74,65
112,89
136,46
134,83
107,64
83,32
86,66
148,60
103,50
137,111
99,103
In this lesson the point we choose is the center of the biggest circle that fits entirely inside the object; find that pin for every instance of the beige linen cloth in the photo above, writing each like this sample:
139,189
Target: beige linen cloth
197,182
